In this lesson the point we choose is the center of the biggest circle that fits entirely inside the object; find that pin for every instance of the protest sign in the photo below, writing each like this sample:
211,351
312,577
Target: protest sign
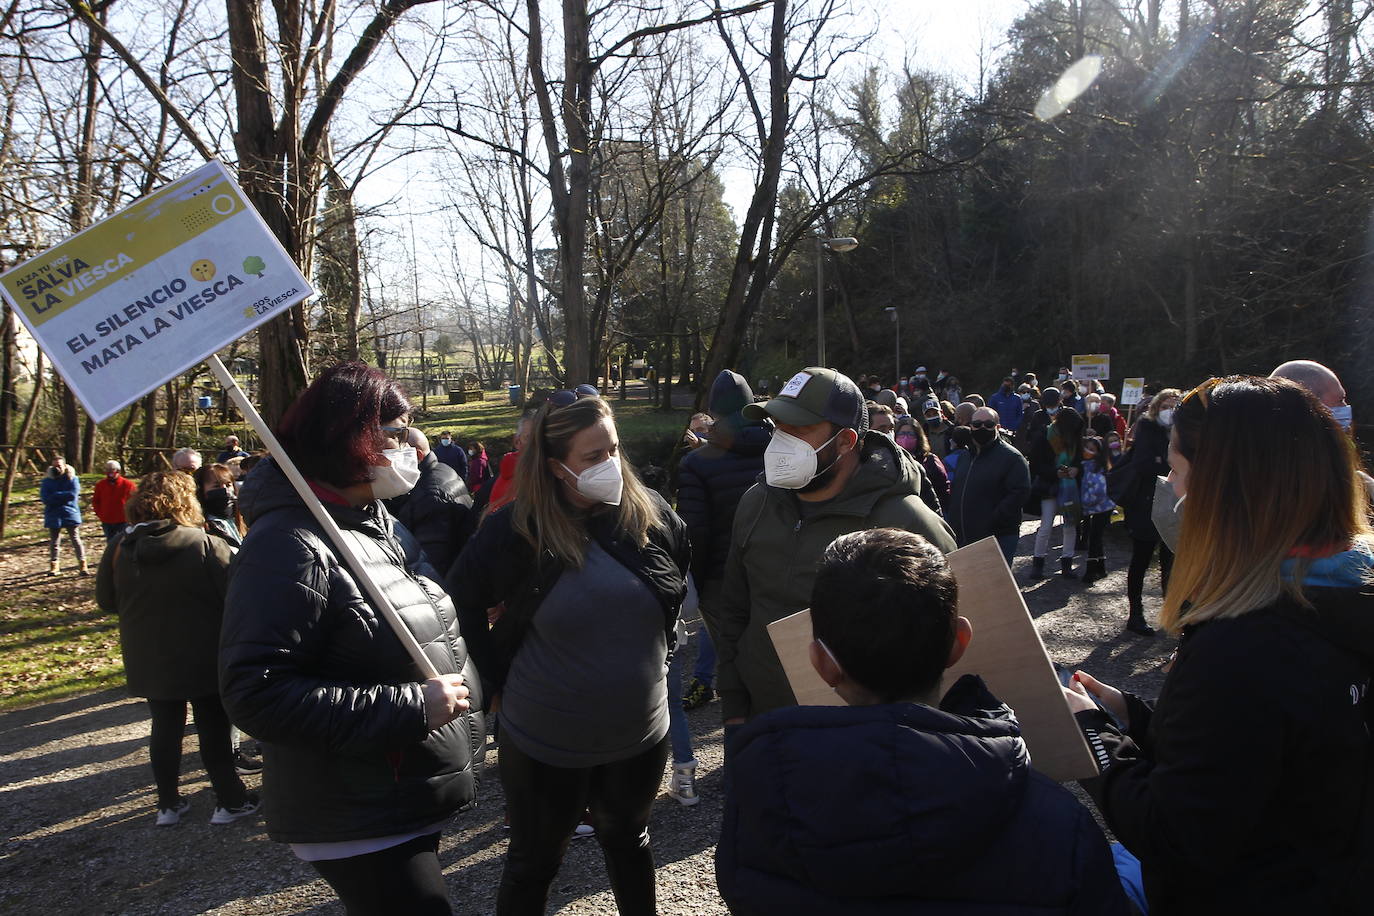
145,294
1006,652
1092,366
1131,390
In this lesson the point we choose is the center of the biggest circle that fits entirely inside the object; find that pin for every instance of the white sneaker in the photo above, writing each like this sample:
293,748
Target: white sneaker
169,817
683,785
250,806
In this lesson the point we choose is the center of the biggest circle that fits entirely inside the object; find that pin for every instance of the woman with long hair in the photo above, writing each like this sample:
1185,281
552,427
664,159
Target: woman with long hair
166,579
1133,483
1248,787
365,759
591,568
1056,461
220,502
909,435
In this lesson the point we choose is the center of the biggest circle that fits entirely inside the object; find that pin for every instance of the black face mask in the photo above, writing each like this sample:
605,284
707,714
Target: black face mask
220,502
982,437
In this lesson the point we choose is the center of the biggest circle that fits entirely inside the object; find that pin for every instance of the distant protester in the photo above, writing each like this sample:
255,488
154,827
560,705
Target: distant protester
61,512
107,501
166,578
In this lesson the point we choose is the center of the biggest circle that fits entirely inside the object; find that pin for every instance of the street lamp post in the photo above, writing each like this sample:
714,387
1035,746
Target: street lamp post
897,362
822,243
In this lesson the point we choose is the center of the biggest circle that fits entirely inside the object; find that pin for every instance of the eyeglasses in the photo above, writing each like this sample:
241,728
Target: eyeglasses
984,424
400,433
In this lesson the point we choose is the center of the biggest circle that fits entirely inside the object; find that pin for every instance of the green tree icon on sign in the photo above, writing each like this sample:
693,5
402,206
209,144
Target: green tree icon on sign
254,265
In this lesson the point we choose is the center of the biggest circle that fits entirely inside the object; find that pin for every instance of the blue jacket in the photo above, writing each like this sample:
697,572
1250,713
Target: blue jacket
904,809
452,455
58,494
1009,407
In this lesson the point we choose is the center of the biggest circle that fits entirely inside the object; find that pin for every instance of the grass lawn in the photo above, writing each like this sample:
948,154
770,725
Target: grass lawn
54,641
647,433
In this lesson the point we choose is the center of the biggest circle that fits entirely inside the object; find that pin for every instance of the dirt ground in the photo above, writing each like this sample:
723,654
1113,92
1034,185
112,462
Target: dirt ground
76,798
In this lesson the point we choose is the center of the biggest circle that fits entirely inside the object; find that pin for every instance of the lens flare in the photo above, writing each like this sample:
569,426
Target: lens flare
1074,82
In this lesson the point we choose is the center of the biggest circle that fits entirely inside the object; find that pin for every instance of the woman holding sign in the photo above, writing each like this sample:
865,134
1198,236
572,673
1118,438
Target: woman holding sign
591,567
1248,787
364,758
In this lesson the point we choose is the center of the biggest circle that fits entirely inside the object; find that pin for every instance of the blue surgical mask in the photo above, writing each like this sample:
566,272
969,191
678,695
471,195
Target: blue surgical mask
1343,415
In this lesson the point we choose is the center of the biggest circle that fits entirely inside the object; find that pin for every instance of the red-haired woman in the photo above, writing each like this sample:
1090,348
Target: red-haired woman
1248,787
364,759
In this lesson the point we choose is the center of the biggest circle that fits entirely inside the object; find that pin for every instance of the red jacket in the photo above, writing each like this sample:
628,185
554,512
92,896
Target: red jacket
110,497
503,491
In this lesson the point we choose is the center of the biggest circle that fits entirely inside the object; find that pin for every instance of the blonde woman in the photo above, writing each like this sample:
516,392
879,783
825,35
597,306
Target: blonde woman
590,566
1248,787
166,577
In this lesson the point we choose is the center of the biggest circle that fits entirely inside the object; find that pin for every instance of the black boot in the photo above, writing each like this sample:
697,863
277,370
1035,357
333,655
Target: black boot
1094,570
1066,568
1037,567
1136,622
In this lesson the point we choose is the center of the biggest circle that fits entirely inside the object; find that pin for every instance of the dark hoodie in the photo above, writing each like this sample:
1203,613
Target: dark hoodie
712,478
1249,786
776,545
167,583
904,808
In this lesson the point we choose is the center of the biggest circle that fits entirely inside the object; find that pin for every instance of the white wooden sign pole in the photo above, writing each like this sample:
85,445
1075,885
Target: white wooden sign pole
317,509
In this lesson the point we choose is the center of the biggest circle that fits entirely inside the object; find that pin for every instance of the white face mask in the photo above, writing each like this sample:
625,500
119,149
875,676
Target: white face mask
601,482
1166,417
1343,415
789,462
398,478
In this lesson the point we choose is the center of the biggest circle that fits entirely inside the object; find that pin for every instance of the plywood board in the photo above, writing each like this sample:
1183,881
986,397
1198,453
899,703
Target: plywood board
1006,652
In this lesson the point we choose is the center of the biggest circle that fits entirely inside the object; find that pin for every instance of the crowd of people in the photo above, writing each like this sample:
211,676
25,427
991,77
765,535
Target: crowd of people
548,591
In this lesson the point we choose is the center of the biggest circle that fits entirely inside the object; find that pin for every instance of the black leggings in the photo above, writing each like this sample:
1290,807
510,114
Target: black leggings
546,802
402,879
216,750
1141,554
1095,526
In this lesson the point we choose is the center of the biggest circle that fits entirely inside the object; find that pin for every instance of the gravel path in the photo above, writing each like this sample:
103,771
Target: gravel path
76,798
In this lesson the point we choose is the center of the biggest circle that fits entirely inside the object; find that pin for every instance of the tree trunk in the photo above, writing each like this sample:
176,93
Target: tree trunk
18,452
150,431
9,360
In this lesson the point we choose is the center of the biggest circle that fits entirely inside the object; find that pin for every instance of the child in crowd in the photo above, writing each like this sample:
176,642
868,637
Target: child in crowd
930,804
1097,506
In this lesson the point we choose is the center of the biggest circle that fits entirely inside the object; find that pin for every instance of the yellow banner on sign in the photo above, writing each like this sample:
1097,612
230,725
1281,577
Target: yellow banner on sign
91,261
1093,366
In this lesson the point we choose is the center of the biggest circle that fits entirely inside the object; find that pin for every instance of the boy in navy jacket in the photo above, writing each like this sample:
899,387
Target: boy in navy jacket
900,802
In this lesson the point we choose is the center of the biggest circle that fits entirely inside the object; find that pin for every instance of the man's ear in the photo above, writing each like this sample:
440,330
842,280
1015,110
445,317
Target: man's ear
825,665
963,634
852,439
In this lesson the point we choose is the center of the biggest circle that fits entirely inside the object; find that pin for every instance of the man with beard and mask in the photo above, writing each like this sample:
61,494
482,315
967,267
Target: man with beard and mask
825,474
990,486
437,509
1008,405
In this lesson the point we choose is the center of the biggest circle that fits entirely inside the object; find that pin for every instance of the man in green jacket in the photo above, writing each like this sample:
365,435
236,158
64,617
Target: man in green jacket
825,474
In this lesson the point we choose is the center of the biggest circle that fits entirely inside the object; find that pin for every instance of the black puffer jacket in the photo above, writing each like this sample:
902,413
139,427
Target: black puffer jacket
1135,476
313,671
713,478
925,811
1249,787
498,566
436,511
